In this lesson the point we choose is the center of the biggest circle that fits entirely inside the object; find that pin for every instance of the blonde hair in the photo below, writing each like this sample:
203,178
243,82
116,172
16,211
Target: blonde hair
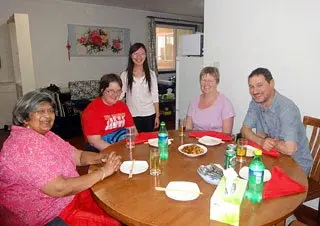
213,71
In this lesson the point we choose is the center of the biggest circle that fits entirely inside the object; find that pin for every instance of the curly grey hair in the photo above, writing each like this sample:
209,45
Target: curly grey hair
29,103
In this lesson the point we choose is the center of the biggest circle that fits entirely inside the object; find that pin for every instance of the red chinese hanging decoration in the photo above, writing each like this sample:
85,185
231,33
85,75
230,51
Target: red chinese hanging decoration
68,46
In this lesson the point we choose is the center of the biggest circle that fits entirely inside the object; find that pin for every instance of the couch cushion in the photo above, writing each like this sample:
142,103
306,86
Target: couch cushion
80,90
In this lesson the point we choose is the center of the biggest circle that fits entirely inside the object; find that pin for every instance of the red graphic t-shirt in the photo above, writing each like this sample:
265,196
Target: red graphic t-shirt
101,119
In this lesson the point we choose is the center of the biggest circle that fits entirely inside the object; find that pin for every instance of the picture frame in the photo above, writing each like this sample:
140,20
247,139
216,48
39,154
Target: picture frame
86,40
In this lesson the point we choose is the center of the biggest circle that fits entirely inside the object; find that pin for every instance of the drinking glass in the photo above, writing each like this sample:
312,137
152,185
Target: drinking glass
242,149
130,135
182,127
154,162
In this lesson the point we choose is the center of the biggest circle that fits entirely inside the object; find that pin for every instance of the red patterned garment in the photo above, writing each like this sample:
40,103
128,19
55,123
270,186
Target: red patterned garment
28,161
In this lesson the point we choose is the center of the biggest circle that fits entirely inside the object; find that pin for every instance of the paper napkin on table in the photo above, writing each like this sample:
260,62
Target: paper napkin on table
273,152
281,185
144,137
199,134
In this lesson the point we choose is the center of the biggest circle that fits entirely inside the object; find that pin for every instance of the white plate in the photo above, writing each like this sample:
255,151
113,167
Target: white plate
139,167
182,190
250,151
244,173
193,155
210,141
154,142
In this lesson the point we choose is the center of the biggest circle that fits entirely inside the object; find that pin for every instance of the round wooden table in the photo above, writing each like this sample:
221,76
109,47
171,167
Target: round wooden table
135,201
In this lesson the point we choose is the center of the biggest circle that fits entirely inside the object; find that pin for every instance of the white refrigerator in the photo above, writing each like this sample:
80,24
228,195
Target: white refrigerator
187,83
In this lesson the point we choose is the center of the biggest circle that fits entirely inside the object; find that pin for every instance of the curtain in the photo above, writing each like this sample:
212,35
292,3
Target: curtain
152,45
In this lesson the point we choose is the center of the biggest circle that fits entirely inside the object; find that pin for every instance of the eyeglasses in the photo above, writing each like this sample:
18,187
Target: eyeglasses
136,54
114,92
207,81
48,111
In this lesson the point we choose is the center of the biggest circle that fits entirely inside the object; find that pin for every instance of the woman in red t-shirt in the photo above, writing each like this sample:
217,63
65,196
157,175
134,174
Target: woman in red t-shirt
105,118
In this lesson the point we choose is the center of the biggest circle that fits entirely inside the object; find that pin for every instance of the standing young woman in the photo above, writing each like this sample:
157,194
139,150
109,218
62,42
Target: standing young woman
140,88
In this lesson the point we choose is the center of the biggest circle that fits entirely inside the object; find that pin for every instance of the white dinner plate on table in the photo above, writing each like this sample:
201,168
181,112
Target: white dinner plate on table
154,142
244,173
182,190
250,151
138,167
203,148
210,141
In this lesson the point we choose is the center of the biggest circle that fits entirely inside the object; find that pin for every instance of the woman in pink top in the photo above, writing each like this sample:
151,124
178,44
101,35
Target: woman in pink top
211,110
38,180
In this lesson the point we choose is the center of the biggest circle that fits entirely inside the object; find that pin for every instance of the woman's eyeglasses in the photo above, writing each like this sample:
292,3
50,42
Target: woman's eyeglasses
207,81
48,111
114,92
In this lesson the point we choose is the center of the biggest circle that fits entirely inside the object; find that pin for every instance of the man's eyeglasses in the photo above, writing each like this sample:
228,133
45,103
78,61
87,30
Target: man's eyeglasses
48,111
114,92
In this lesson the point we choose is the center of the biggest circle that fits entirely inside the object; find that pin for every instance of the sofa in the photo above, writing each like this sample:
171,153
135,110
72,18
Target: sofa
70,104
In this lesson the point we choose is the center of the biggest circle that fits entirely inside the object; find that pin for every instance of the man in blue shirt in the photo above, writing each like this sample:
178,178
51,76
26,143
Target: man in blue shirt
277,120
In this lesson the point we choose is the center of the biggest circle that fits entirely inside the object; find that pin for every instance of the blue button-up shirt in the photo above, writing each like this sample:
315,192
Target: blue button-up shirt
281,120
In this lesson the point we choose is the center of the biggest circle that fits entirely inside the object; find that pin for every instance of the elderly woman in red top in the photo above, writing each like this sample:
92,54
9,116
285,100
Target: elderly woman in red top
38,181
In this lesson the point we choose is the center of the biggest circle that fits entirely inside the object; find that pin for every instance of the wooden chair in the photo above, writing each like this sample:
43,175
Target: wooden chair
297,223
314,145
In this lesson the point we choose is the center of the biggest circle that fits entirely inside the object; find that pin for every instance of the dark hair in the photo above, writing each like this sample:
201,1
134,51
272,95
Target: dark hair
29,103
262,71
130,66
212,71
106,80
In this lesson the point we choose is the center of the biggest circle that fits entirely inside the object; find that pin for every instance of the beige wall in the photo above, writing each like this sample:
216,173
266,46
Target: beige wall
48,27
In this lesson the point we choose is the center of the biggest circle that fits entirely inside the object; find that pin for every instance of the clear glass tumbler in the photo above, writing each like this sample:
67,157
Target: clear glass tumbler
242,149
130,135
154,162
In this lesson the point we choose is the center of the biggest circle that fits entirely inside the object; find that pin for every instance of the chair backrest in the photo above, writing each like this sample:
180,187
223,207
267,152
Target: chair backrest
314,145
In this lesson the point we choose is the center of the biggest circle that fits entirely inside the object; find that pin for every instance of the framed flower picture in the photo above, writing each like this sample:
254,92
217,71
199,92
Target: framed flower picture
98,41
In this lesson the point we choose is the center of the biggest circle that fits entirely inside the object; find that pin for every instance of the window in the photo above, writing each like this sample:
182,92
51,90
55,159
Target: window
168,36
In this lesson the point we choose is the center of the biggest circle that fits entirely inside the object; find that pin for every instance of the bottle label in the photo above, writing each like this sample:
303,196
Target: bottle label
163,140
256,176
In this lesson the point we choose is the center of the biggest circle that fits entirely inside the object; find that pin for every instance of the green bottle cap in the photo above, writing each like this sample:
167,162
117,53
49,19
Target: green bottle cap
258,152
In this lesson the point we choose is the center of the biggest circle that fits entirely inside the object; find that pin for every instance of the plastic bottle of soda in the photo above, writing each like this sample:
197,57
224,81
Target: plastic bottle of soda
163,141
255,183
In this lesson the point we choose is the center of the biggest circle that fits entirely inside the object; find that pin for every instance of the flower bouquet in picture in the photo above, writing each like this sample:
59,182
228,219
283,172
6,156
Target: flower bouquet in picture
95,41
85,40
116,45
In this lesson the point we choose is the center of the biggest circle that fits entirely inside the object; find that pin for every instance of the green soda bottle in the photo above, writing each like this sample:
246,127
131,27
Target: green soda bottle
163,141
255,183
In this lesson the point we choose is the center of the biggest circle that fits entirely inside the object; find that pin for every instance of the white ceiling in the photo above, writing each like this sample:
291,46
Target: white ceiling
180,7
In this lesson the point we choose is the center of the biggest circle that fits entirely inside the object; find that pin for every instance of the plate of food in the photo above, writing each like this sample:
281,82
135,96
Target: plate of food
210,141
154,142
192,150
